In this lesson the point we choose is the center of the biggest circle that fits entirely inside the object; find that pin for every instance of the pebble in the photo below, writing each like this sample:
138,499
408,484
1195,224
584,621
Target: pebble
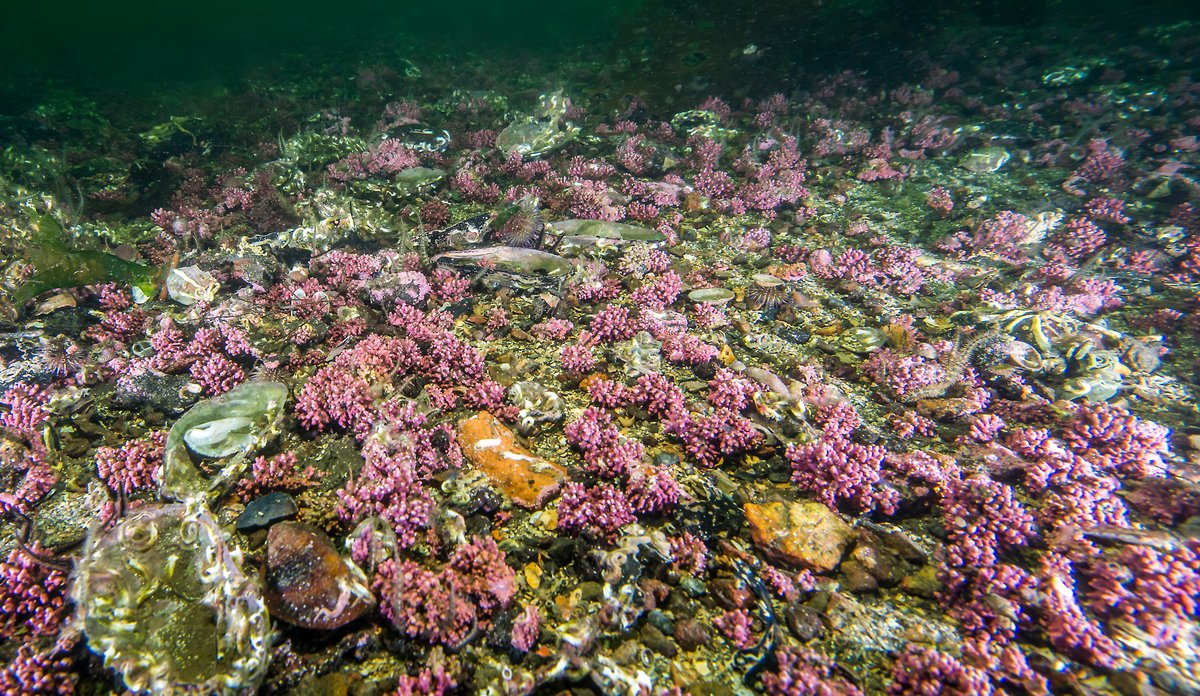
666,459
308,584
657,641
659,619
802,621
693,587
691,634
266,510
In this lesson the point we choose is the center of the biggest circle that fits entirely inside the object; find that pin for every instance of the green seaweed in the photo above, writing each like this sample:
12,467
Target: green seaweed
56,267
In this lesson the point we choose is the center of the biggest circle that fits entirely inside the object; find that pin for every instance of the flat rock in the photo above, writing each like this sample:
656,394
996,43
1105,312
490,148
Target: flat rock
520,475
803,533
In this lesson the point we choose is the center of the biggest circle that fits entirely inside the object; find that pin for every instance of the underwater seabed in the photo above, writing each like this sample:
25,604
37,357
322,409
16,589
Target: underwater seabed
419,376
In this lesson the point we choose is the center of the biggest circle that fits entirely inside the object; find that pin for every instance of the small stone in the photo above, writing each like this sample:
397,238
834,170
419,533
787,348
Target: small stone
900,543
803,533
876,560
923,583
693,587
266,510
985,160
857,577
654,639
804,622
729,594
308,583
666,459
520,475
658,619
690,634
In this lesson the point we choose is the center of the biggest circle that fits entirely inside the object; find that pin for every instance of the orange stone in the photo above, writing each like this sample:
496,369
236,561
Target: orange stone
520,475
803,533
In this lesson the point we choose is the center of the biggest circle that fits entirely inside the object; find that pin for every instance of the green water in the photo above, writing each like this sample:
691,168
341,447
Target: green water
137,48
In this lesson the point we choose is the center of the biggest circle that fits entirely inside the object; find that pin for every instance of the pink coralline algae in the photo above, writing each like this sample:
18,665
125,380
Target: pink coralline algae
685,349
737,627
525,629
427,682
1102,164
26,412
804,672
35,673
689,554
606,452
577,359
901,374
397,459
1070,631
608,393
984,427
612,323
600,511
1115,440
708,316
660,397
552,329
449,286
132,467
921,671
983,519
710,438
217,374
334,397
1076,241
840,471
384,159
660,292
1107,210
999,236
652,489
449,606
449,360
32,595
730,391
1157,591
940,199
278,473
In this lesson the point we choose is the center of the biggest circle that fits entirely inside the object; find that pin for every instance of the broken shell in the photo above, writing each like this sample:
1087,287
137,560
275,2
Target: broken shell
221,437
712,296
862,339
62,300
222,430
190,284
266,510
